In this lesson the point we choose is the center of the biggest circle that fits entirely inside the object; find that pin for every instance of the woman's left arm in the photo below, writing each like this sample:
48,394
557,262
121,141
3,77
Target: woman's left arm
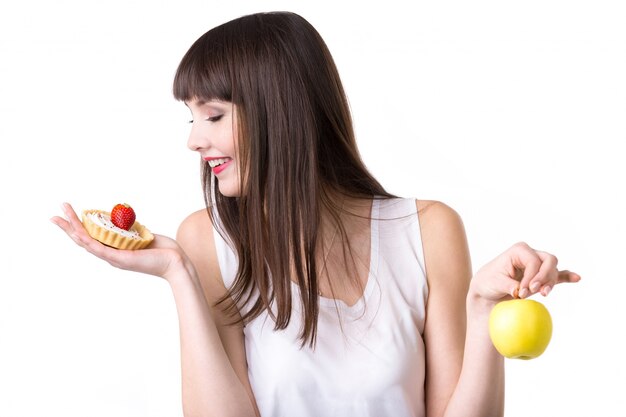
464,372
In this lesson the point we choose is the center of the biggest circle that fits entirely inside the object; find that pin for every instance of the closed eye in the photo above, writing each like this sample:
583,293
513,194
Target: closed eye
212,118
215,118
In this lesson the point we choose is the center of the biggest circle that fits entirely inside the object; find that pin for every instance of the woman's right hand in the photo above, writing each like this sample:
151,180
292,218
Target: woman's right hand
163,257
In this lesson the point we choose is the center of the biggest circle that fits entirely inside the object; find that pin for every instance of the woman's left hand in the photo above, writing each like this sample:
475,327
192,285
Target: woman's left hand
519,272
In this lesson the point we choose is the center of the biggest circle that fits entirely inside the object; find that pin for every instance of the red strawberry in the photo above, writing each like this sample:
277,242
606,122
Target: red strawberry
123,216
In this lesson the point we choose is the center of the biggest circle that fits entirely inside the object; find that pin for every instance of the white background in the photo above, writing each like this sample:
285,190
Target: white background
510,112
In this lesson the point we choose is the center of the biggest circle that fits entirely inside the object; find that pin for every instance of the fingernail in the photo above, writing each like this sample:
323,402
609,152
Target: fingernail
523,293
546,290
535,286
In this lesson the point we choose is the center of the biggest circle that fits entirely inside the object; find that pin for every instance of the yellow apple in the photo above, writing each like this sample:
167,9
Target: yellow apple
520,328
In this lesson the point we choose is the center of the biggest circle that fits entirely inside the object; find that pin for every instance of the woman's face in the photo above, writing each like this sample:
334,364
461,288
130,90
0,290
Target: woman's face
214,136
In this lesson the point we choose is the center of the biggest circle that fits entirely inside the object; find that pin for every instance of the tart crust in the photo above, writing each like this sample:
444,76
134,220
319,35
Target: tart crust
114,239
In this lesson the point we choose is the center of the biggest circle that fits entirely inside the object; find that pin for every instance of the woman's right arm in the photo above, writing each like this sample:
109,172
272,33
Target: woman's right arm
214,371
204,373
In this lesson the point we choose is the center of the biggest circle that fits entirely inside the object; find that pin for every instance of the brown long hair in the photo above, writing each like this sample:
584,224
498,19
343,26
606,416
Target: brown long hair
296,145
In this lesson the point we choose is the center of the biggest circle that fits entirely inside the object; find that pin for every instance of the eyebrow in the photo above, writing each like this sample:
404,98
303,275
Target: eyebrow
201,102
196,102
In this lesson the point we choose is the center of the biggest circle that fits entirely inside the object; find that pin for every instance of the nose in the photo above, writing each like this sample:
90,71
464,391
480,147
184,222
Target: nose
196,140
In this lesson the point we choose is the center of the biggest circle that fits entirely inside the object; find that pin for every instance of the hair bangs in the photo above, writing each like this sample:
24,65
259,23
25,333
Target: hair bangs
203,73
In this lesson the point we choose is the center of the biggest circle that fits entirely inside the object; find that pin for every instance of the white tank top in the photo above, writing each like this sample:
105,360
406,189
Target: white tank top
369,358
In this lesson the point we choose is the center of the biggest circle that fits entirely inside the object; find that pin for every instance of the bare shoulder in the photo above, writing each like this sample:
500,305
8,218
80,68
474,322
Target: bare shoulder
443,238
195,227
195,236
436,214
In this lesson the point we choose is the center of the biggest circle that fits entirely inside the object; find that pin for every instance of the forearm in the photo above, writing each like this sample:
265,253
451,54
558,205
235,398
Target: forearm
480,389
209,383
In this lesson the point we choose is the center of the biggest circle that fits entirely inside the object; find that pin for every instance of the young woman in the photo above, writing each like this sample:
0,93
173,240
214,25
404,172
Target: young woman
305,288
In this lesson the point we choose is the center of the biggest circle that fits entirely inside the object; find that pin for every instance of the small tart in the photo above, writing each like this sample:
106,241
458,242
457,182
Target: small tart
99,226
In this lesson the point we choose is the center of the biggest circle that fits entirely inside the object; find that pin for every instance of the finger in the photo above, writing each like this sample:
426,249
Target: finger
545,290
70,214
68,222
512,288
563,276
568,276
547,275
525,259
74,228
60,222
69,228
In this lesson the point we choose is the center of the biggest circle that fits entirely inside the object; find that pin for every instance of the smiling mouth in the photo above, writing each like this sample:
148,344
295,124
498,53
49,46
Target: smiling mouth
217,162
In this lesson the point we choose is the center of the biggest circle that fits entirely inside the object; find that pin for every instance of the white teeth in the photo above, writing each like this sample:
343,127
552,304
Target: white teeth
215,162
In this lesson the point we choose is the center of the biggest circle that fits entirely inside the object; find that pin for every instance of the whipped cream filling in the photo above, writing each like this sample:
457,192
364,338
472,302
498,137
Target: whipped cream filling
104,221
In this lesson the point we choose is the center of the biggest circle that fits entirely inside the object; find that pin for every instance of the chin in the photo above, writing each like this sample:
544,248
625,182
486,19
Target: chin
229,189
